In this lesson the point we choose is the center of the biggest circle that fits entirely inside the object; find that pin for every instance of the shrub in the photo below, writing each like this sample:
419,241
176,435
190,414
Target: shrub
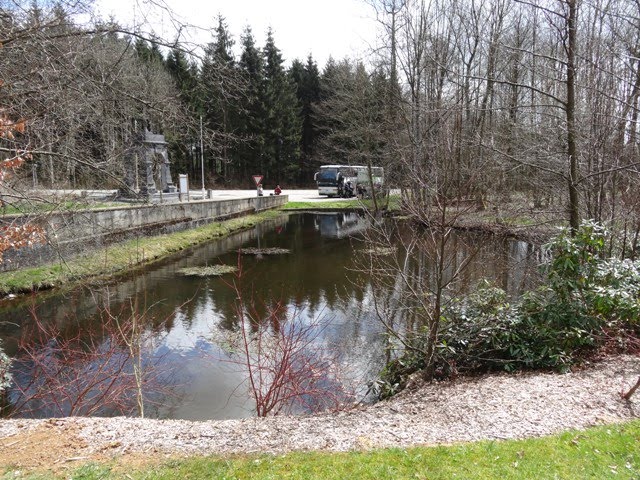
582,279
5,375
585,294
395,374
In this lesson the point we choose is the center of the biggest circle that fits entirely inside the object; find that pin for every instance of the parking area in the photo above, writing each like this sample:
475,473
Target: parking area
294,195
298,195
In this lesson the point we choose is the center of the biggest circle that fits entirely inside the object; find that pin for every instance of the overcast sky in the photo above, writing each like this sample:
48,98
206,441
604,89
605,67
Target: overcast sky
321,27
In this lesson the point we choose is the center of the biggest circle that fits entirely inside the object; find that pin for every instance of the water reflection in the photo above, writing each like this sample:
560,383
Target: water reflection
340,225
322,278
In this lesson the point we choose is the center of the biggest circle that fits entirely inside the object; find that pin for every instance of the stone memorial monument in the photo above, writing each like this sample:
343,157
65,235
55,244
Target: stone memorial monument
155,171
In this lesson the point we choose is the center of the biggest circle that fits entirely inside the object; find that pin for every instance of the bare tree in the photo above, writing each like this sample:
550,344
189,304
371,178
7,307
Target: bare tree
108,370
288,369
542,95
85,89
356,130
535,101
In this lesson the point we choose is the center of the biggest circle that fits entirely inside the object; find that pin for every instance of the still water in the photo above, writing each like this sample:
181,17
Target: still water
321,282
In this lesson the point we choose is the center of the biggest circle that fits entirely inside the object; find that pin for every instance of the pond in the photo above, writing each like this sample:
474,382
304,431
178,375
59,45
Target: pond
191,323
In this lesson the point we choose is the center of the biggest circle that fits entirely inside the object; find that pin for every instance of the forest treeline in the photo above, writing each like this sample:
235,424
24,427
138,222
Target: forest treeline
536,101
474,100
87,94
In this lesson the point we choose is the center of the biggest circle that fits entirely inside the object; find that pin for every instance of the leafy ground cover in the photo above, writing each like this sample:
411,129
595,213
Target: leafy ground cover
601,452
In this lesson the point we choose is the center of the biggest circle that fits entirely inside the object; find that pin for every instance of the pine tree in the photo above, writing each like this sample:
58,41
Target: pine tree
282,124
148,52
185,74
307,80
327,113
183,150
249,151
352,113
218,95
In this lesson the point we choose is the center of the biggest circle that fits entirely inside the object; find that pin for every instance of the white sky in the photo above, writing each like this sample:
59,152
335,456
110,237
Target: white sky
321,27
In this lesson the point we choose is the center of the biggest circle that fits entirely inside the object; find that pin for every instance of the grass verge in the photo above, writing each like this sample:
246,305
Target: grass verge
598,453
352,204
118,258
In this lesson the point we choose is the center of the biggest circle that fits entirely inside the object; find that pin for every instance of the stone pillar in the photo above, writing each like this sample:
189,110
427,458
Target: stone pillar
149,184
130,188
167,182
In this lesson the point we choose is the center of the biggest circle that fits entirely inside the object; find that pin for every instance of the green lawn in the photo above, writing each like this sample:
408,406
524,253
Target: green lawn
354,203
598,453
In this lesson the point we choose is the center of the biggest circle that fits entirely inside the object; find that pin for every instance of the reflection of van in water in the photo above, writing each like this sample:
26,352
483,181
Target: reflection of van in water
348,180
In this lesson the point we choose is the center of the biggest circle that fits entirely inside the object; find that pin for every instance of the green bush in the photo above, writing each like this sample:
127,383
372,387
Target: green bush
394,376
584,284
553,325
5,376
485,332
585,294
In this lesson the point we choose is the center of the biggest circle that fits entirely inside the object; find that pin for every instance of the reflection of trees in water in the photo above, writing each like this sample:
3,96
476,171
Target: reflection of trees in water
509,263
314,275
320,277
404,280
105,367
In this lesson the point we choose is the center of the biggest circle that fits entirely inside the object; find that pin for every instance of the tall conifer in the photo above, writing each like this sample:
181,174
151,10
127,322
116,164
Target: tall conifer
282,122
249,152
219,98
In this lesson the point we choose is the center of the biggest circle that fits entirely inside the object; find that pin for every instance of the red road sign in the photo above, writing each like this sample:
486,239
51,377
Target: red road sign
257,179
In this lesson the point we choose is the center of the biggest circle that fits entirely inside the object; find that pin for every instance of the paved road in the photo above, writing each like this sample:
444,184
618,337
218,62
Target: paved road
310,195
294,195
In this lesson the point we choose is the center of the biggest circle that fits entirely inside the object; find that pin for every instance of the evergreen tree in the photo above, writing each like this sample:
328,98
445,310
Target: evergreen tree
335,77
185,74
218,98
184,148
282,123
250,150
296,73
352,114
148,52
307,80
328,79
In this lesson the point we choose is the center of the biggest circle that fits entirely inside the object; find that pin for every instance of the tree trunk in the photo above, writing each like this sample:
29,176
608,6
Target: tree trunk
572,149
629,394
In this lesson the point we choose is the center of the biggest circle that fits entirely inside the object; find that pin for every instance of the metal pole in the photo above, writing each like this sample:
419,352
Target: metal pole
135,134
202,159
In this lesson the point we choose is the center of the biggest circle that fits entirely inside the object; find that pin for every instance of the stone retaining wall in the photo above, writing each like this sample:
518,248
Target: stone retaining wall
70,233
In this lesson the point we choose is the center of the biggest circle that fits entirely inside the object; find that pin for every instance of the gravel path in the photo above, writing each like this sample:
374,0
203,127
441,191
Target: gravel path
490,407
